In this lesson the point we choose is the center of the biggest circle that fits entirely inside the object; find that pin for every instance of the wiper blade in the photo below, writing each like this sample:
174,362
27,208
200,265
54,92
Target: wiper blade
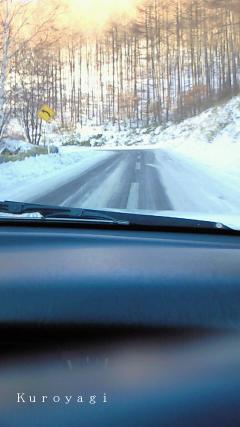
134,220
19,208
49,212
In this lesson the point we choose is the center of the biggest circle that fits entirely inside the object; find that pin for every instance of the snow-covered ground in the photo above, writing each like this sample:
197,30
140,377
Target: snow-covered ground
211,139
14,146
206,150
198,160
23,180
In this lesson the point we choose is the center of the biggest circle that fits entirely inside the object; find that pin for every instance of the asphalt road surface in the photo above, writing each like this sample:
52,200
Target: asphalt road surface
128,179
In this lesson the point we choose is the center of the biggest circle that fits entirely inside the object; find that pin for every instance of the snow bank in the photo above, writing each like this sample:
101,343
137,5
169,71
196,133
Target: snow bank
14,146
212,138
22,180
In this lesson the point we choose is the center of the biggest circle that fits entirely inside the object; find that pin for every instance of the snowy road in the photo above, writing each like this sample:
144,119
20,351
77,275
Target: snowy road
158,179
128,179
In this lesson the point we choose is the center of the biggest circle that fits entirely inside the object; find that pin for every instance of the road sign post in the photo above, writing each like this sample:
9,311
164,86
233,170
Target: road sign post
46,114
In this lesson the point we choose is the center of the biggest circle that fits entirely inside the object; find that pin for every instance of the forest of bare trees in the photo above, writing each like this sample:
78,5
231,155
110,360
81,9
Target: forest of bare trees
176,58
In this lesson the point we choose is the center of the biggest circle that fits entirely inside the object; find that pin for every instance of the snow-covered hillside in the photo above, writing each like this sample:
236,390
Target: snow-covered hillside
209,146
212,138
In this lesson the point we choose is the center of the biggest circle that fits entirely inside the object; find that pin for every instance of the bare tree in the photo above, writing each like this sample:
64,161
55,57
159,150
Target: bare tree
15,17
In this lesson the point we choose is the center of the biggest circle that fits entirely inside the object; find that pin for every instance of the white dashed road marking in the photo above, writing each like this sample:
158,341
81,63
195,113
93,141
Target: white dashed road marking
138,166
133,197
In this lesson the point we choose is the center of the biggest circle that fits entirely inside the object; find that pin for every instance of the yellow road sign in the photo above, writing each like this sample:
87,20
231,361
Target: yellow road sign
46,113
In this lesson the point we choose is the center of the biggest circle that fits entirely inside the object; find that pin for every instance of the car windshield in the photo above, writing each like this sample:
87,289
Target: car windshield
130,106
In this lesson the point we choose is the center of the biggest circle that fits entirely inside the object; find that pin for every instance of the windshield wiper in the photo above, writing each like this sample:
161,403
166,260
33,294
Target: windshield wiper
49,212
134,220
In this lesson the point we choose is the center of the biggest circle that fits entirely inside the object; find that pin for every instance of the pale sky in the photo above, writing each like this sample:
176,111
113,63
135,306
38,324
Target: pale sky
89,15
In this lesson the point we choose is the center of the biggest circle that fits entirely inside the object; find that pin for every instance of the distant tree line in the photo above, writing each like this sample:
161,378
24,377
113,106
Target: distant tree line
176,58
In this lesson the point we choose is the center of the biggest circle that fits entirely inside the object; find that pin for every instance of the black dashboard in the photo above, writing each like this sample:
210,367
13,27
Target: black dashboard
147,322
103,277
